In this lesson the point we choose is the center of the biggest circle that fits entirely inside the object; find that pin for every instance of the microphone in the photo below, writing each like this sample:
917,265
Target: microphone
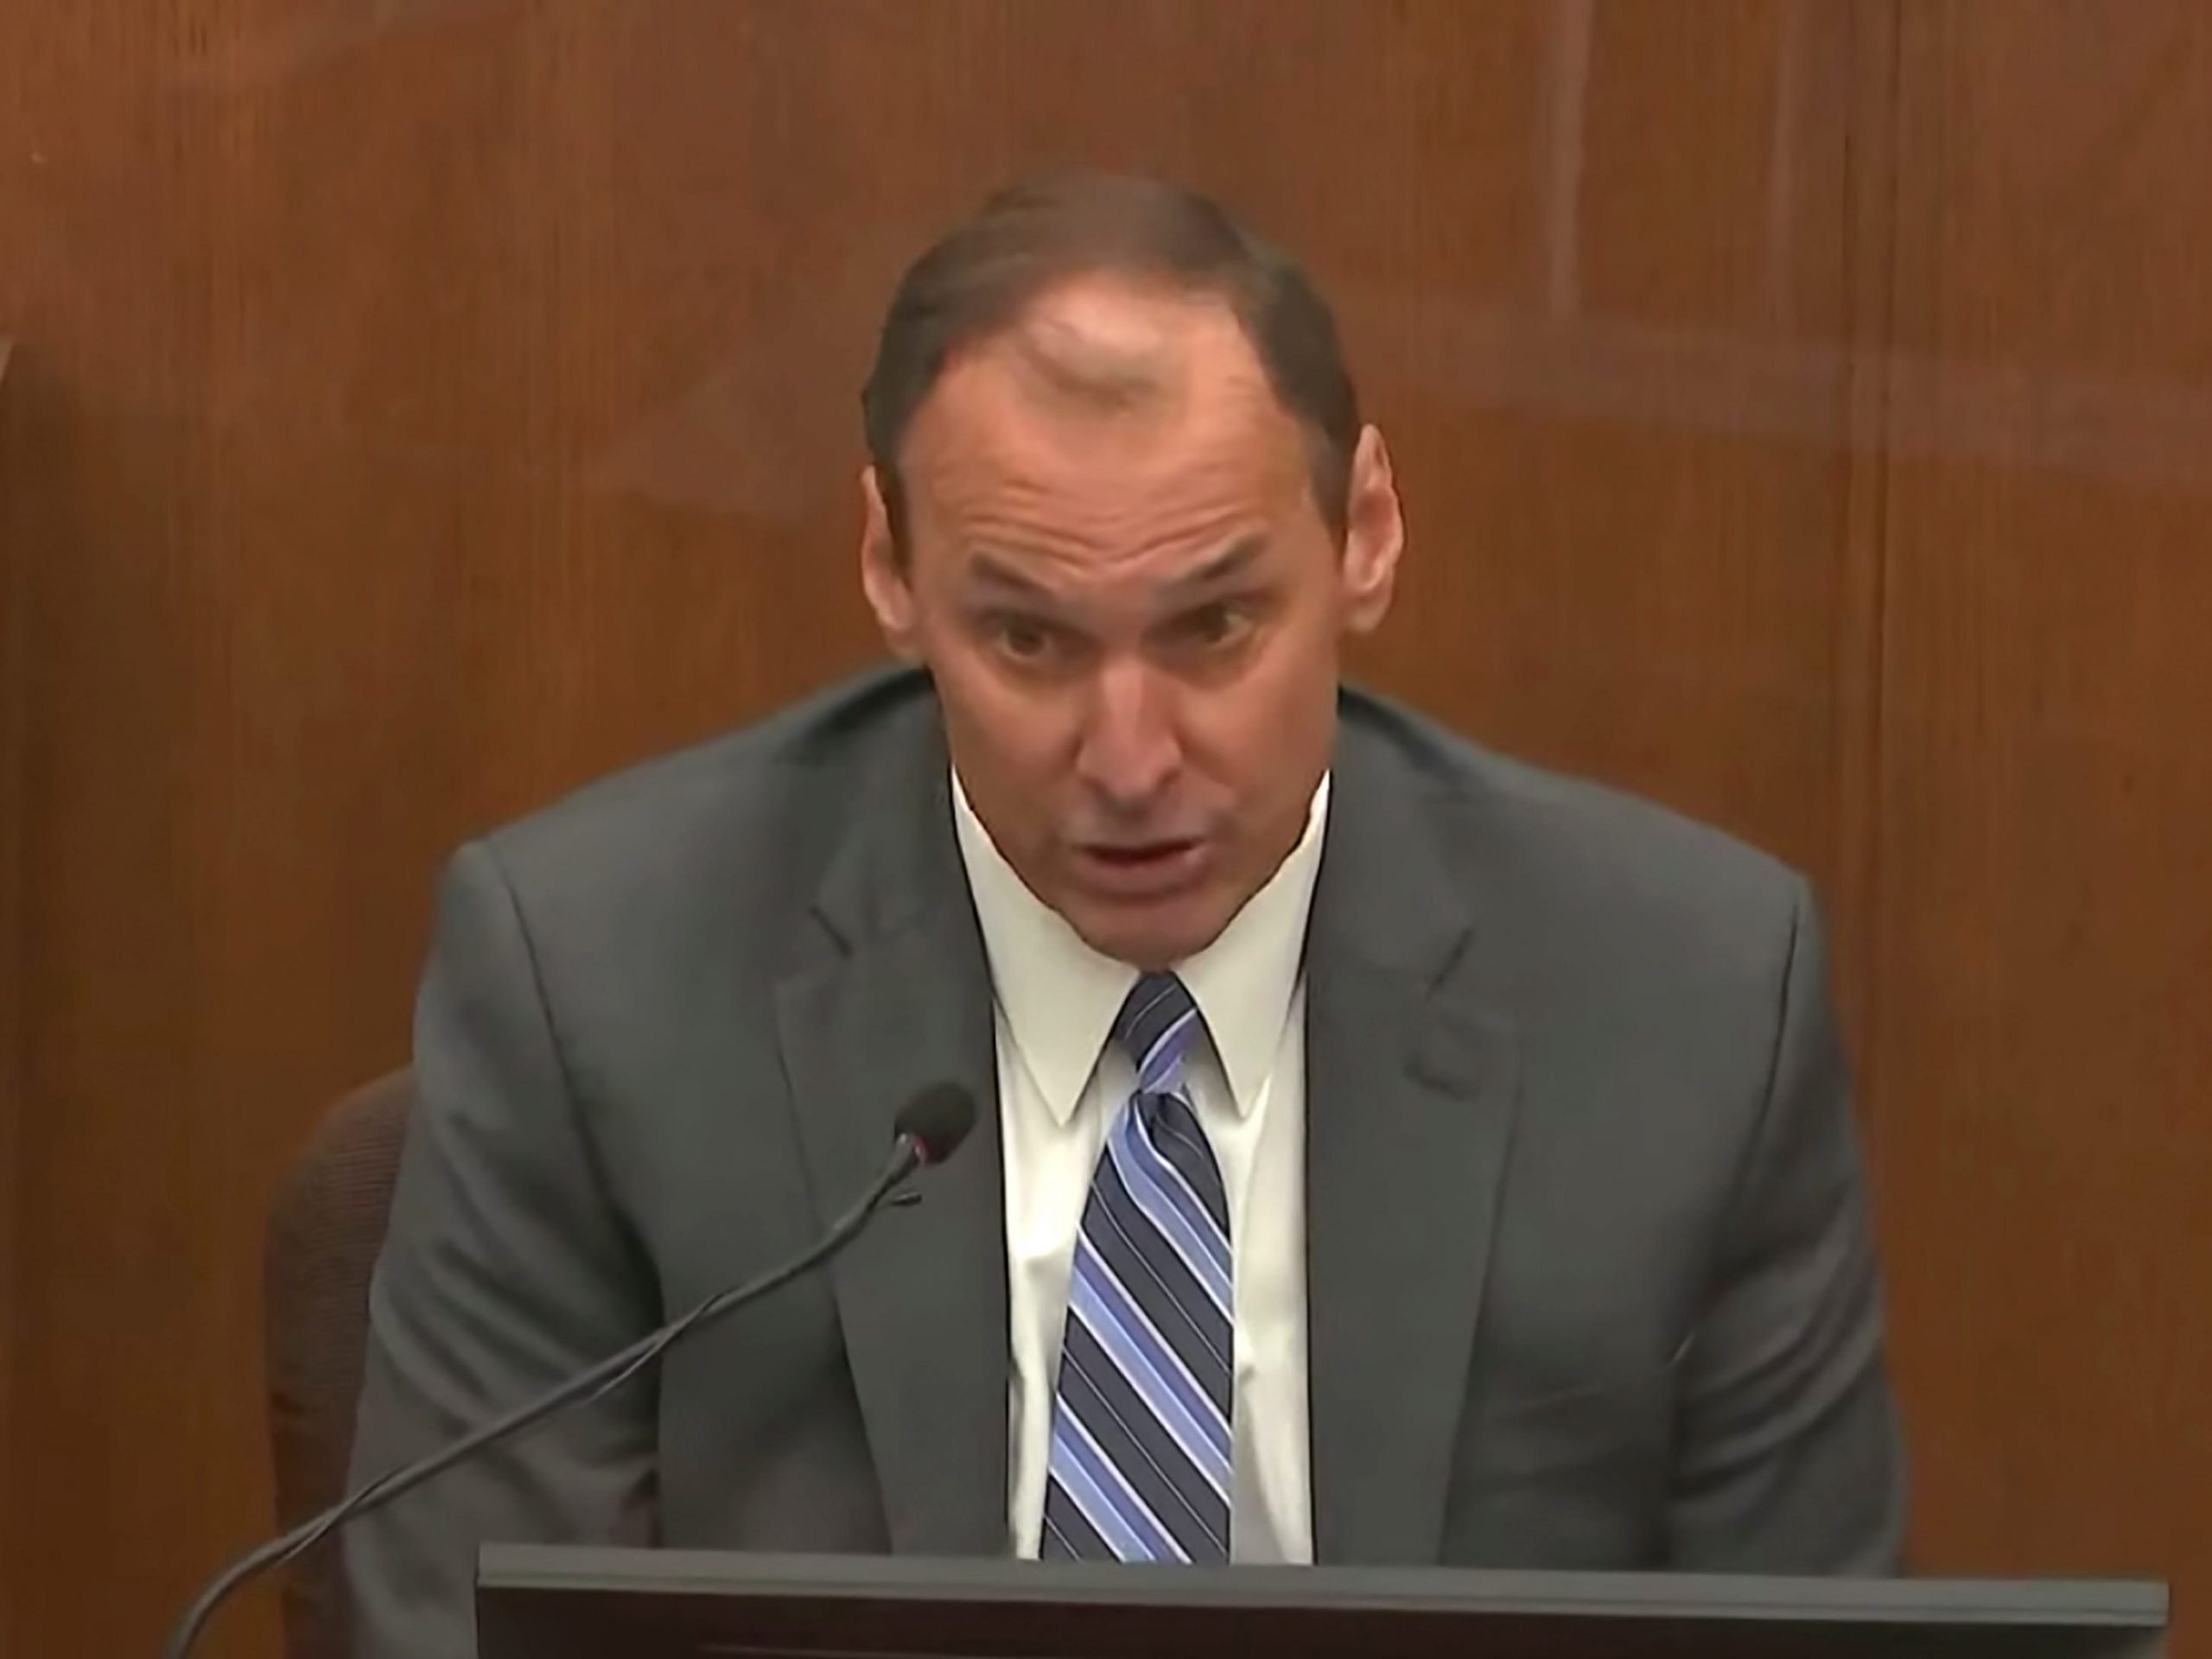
928,1130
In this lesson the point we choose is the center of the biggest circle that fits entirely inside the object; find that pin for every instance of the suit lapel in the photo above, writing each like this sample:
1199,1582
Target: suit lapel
1411,1091
902,999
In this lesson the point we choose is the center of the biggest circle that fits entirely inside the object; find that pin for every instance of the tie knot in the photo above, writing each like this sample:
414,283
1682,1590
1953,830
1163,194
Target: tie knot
1155,1028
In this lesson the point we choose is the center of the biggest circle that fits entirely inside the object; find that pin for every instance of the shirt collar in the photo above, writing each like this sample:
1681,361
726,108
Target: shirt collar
1059,996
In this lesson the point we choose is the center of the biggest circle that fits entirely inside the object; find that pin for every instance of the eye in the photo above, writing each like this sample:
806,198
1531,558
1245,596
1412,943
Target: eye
1019,638
1210,627
1025,641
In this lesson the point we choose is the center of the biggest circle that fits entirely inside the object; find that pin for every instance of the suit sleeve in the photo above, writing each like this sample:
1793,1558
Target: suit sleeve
506,1269
1788,1455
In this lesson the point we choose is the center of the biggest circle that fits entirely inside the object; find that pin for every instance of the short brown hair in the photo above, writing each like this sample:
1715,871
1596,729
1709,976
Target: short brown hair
980,277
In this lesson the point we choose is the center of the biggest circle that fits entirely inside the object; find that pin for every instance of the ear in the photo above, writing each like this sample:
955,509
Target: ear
1375,534
883,573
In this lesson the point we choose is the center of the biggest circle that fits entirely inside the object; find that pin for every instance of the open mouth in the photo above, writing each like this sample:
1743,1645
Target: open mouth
1142,868
1133,856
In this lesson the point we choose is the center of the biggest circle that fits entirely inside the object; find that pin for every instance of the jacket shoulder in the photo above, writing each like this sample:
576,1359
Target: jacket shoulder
747,808
1523,836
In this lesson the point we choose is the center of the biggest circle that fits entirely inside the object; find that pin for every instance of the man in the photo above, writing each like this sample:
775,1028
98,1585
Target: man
1388,1152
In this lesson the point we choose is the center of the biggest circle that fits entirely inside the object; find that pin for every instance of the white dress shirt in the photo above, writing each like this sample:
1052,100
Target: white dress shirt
1060,1083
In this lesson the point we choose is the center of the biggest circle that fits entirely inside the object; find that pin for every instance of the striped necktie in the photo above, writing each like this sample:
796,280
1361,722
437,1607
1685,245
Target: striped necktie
1139,1463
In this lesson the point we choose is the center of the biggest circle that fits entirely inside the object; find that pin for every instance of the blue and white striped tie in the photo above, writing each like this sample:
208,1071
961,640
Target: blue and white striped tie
1139,1465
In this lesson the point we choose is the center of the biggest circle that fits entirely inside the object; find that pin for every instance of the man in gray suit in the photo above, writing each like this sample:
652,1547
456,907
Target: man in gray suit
1388,1152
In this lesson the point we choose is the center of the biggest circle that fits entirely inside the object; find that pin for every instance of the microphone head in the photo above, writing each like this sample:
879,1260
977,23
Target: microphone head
937,1120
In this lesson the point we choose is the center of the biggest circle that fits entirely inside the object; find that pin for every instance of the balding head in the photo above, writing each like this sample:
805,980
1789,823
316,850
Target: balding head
987,276
1068,346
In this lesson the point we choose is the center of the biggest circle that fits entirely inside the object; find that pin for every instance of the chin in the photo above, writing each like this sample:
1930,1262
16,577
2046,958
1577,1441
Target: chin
1150,944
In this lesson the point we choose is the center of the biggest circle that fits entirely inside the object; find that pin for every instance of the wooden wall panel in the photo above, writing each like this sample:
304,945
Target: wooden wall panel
15,639
2042,934
16,279
1627,496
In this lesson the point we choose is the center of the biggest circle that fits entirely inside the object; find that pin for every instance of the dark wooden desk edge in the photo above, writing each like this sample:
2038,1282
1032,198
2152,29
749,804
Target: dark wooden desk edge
2127,1603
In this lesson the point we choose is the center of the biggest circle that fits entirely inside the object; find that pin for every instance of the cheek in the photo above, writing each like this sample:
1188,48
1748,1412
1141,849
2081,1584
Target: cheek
1263,735
1017,736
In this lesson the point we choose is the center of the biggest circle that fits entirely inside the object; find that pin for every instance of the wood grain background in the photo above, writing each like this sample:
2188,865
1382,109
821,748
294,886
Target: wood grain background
1805,409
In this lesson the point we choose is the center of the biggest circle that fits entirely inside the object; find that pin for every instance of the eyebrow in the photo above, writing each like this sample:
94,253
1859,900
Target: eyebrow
995,572
1231,561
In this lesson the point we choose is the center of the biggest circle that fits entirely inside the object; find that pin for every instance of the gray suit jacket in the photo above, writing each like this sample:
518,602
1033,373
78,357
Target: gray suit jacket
1589,1275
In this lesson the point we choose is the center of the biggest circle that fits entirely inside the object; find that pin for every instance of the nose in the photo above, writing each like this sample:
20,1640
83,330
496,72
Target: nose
1130,752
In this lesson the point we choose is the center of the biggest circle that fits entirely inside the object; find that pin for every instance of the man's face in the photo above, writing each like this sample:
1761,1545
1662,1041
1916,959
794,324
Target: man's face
1130,605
